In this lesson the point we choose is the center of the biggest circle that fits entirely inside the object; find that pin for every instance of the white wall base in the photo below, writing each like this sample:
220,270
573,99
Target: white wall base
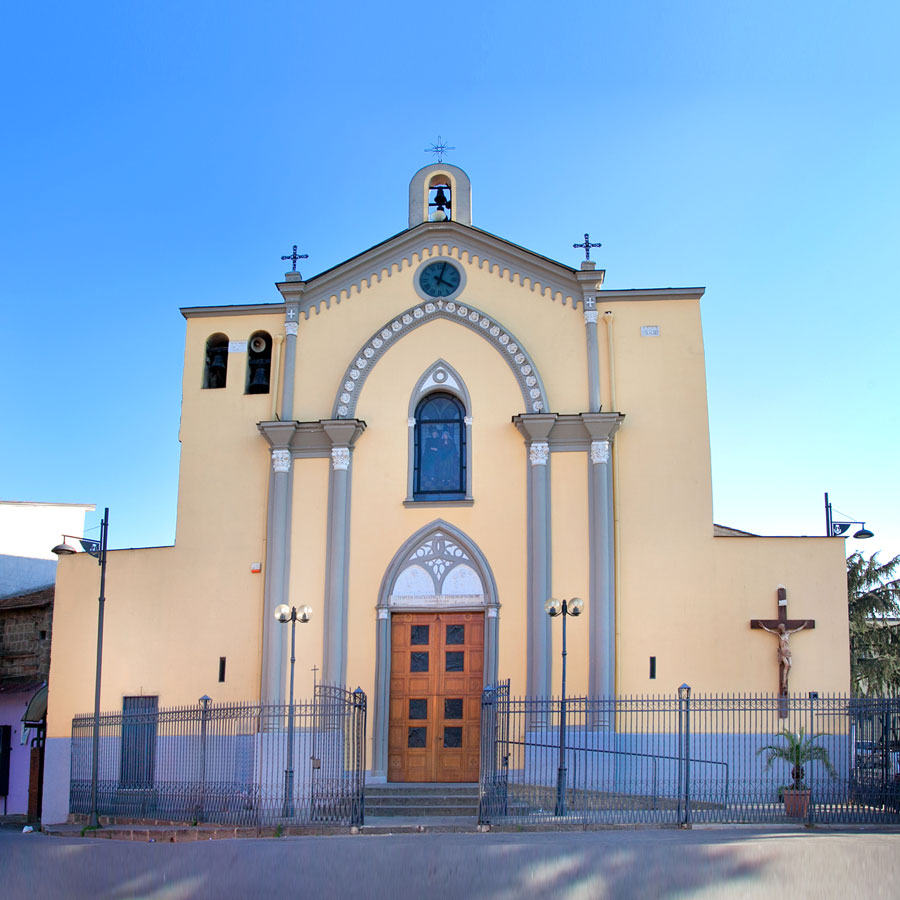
57,767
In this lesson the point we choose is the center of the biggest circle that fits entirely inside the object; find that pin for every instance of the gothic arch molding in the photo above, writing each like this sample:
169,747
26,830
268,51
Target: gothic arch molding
458,550
517,358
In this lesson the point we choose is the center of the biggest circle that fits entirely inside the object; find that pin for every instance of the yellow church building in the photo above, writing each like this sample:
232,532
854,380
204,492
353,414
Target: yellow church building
424,443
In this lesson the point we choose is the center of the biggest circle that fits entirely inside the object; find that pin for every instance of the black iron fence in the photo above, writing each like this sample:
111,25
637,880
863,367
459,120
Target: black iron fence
227,763
689,759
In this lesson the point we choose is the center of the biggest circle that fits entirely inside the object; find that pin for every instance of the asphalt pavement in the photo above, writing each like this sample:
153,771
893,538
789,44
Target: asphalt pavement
647,863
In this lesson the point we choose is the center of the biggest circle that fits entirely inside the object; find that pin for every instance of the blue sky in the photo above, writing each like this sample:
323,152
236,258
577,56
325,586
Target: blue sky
164,155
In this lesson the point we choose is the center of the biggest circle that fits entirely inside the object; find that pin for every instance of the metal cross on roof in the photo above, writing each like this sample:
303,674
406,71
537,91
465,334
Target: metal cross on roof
295,256
586,246
439,149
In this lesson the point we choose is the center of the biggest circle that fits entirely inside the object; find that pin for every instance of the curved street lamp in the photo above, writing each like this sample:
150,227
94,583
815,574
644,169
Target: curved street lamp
292,614
98,549
838,529
564,608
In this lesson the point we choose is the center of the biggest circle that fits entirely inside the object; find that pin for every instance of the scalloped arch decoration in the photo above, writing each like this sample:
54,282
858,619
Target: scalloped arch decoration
517,358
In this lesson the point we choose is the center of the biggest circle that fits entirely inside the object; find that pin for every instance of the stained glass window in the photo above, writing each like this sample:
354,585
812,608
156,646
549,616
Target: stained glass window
455,661
453,709
456,634
418,634
418,709
452,736
440,449
418,662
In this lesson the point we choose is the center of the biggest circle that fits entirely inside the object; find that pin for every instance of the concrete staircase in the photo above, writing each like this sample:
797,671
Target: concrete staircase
405,806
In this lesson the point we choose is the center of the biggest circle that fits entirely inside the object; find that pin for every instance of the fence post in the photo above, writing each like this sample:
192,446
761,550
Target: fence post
812,724
204,704
684,751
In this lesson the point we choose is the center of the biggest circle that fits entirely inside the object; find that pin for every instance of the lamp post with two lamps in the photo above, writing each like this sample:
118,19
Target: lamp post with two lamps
98,549
564,608
292,614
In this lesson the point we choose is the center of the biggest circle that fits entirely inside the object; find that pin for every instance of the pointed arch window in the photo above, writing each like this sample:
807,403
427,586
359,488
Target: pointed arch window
440,449
215,369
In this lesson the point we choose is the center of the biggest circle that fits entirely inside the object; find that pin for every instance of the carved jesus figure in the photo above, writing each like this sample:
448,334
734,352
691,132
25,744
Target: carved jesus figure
784,649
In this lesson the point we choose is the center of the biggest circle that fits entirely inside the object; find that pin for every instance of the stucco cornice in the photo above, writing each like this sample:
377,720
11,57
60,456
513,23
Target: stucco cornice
241,309
311,440
569,432
464,242
688,293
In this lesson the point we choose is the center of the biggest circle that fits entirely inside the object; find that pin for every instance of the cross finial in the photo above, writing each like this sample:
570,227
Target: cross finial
439,149
586,246
295,256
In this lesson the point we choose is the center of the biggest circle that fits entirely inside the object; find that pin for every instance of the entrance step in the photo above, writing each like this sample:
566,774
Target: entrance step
417,801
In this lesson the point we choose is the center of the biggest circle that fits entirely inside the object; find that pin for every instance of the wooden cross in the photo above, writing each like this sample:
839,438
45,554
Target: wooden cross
586,246
294,257
783,628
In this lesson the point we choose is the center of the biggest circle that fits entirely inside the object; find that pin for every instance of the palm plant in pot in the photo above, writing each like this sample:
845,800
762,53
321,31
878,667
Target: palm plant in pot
797,750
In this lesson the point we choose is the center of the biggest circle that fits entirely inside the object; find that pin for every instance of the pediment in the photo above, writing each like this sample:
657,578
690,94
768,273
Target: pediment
471,245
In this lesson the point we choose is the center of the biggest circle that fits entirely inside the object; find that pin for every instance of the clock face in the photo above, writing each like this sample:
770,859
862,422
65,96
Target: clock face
440,279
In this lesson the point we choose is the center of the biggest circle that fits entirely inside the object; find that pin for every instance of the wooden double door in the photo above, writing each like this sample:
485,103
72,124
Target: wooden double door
437,675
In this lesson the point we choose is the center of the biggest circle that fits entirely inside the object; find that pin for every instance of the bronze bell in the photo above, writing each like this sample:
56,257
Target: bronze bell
440,199
259,383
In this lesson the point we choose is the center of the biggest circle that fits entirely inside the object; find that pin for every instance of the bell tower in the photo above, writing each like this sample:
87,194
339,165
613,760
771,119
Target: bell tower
440,193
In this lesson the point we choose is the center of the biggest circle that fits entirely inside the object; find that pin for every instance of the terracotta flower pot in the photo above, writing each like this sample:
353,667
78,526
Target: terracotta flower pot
796,803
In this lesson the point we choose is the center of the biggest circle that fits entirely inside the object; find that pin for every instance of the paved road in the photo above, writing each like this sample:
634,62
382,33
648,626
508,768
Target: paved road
726,862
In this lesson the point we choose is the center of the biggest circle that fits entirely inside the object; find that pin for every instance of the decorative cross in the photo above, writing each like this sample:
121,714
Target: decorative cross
439,149
783,628
294,257
586,246
292,313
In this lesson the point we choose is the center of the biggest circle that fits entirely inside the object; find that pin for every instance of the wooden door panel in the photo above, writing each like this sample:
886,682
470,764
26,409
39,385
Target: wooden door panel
437,737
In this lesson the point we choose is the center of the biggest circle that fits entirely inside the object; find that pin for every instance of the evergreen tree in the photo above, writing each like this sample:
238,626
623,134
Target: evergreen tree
873,595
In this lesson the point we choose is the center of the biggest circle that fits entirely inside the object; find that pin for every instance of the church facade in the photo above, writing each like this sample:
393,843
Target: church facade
423,444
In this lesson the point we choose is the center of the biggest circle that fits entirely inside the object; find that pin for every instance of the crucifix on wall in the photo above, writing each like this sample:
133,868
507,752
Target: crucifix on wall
783,628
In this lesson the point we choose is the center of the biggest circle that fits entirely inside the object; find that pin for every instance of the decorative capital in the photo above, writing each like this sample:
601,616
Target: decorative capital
281,460
383,612
492,612
340,458
411,422
539,453
599,452
590,316
290,328
467,420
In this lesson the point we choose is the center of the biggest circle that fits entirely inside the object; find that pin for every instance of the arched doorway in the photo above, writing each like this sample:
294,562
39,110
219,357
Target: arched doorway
437,648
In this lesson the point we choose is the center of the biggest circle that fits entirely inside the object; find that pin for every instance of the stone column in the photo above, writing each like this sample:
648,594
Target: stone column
593,358
491,643
290,359
591,280
342,433
277,574
381,711
536,429
334,663
602,608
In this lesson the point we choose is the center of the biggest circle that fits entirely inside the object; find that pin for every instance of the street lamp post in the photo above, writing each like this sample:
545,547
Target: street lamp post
98,550
837,529
292,614
564,608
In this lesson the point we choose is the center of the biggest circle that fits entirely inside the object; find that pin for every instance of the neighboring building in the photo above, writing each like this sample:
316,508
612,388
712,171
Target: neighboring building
25,624
424,443
28,531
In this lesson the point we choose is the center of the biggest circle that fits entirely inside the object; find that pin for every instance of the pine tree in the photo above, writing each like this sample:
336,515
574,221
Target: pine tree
873,596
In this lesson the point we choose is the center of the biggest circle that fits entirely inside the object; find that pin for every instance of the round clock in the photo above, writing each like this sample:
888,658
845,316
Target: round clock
439,279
